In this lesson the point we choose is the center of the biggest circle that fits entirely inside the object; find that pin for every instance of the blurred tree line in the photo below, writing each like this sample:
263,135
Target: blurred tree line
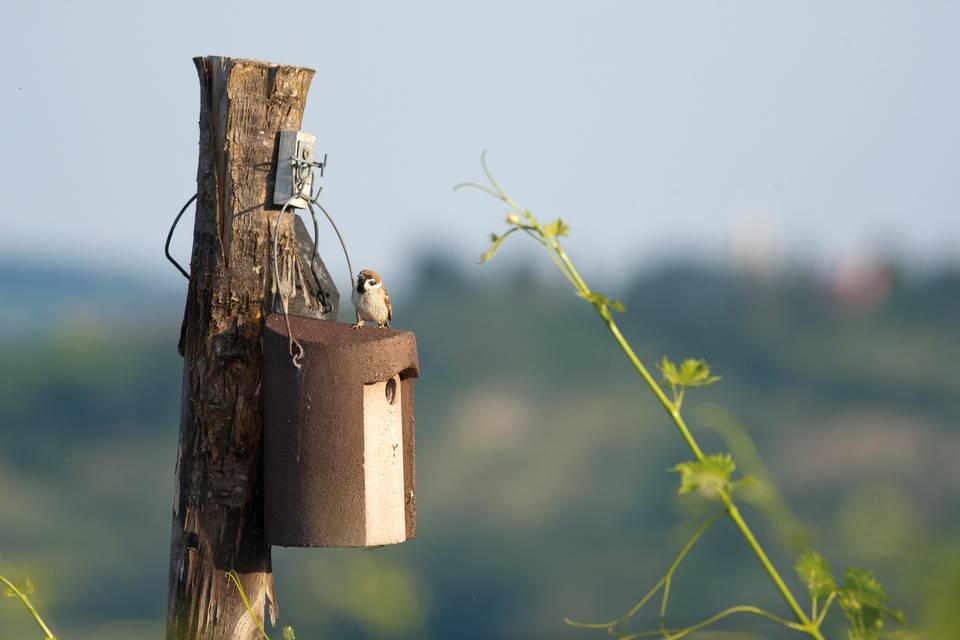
538,488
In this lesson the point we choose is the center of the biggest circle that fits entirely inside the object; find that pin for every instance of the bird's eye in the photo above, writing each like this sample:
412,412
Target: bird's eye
371,282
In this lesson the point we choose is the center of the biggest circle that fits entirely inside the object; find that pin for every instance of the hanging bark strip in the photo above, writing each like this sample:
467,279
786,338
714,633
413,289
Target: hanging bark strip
218,510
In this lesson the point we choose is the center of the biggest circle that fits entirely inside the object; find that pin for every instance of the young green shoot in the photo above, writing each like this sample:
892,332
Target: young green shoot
234,577
22,593
861,597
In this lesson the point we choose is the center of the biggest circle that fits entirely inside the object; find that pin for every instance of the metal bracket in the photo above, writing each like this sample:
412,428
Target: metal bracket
295,169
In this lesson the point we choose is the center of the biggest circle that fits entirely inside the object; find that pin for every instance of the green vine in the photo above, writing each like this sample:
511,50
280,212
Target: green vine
860,595
234,577
22,593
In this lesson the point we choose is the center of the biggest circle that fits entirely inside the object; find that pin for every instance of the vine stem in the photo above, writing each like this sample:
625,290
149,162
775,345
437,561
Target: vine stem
668,406
809,627
676,634
563,262
26,602
234,577
662,583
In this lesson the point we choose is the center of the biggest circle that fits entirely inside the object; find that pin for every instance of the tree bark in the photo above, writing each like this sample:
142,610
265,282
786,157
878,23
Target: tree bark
218,508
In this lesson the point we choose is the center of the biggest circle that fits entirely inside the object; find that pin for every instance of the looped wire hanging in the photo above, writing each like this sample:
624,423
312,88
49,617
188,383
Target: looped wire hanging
302,170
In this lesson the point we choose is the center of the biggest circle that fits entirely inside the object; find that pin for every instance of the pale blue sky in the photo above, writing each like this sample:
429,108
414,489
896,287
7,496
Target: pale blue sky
829,129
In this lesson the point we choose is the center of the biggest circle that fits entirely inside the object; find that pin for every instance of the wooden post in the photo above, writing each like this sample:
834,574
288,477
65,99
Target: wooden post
218,511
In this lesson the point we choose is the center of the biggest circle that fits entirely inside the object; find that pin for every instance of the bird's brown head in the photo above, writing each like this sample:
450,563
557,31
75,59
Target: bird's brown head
366,279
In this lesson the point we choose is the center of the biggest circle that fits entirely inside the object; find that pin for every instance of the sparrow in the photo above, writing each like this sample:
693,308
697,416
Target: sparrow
371,300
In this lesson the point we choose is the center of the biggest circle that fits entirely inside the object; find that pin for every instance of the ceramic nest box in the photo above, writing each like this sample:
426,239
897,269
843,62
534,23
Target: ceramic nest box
338,435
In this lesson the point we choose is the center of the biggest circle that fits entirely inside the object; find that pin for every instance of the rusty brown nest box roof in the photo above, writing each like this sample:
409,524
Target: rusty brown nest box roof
338,435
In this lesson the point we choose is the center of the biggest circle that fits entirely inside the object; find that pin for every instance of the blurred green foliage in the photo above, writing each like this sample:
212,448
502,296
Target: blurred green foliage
540,490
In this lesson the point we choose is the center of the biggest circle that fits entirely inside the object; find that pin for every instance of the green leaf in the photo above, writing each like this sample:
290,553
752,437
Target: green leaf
690,373
288,633
815,574
669,371
25,587
864,603
492,251
602,302
708,477
557,228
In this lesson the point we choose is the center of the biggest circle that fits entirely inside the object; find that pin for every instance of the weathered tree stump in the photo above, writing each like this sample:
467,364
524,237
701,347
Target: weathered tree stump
218,510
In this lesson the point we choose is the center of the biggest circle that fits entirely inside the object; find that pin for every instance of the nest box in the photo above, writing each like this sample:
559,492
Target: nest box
338,435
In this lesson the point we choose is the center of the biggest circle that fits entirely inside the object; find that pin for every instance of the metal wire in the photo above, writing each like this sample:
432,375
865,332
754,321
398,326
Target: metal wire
166,247
313,253
301,171
343,244
295,358
315,199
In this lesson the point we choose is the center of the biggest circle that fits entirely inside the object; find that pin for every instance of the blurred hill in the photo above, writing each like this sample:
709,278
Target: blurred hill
542,483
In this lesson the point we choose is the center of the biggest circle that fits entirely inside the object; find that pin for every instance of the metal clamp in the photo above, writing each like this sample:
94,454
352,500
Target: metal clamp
295,169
